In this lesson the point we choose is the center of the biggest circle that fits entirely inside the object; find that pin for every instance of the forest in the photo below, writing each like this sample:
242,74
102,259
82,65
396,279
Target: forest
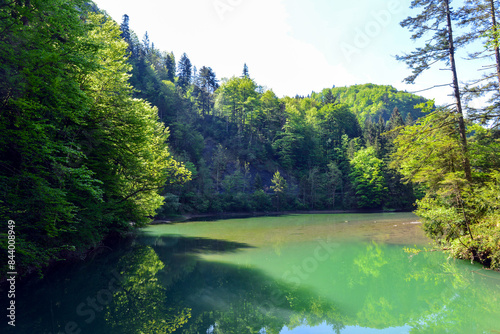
101,133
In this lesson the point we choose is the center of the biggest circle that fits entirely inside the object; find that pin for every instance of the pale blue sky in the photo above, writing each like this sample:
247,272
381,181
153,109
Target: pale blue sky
290,46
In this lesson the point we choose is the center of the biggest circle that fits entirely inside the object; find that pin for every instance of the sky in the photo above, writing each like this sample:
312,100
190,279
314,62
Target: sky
290,46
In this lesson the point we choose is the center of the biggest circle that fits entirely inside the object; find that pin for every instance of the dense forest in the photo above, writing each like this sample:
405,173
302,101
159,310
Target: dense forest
101,132
249,150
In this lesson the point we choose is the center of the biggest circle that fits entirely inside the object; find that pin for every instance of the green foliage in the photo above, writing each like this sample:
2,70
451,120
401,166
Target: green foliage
460,215
279,183
236,100
372,101
143,292
204,87
99,157
79,156
261,201
184,69
279,187
297,143
431,150
240,121
368,179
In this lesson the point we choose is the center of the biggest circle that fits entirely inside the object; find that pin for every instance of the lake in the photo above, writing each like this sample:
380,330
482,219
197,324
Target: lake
303,273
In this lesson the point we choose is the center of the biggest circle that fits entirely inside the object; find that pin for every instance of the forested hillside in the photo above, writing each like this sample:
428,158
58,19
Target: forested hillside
371,101
101,131
358,147
249,150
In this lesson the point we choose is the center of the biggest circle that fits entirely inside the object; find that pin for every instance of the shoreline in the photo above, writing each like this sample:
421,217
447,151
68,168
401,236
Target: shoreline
234,215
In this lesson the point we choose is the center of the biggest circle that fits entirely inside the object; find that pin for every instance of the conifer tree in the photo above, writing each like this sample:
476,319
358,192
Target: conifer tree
205,86
245,71
184,72
396,120
194,77
170,66
409,119
125,29
329,98
481,17
146,47
436,18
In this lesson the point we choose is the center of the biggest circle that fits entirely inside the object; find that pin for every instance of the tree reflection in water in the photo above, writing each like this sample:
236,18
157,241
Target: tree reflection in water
167,286
225,298
140,305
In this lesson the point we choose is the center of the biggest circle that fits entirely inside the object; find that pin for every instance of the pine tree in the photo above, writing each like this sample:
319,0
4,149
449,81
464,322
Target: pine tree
396,120
245,71
409,119
329,98
125,29
481,16
184,72
205,87
436,18
146,48
170,66
194,76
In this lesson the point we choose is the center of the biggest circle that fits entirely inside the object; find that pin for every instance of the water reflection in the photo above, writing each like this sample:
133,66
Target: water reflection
234,299
140,305
163,284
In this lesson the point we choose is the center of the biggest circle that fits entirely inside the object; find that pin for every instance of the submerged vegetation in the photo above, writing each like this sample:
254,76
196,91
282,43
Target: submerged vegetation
87,110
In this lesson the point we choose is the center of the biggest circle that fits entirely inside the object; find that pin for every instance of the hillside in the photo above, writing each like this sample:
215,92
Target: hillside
235,136
103,132
370,100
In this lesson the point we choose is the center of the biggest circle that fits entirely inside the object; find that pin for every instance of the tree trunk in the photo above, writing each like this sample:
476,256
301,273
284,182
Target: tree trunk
497,50
333,196
456,89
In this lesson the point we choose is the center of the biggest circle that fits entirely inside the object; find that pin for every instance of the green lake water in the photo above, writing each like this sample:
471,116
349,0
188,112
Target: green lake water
312,273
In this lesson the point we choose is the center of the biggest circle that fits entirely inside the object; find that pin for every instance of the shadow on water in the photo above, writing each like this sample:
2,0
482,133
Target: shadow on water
178,244
162,284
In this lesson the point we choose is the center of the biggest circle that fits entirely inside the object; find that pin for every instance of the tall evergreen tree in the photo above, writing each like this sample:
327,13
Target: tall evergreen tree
146,44
125,29
194,76
409,119
184,72
205,87
436,18
245,74
396,120
328,97
481,16
170,66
